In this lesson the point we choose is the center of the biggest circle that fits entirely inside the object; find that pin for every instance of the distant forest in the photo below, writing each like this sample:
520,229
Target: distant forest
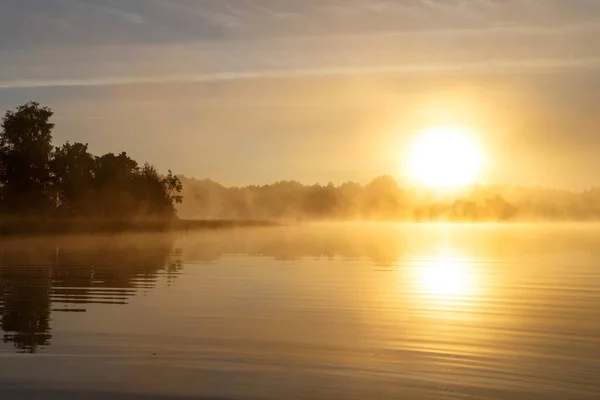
39,180
384,199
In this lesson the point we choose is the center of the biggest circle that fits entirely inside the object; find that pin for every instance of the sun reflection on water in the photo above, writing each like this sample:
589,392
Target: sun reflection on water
446,276
446,286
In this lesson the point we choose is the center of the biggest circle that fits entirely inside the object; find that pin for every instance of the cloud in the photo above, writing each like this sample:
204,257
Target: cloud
106,22
490,66
112,42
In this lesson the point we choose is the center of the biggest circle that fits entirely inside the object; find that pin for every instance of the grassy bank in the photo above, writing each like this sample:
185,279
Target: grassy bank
39,226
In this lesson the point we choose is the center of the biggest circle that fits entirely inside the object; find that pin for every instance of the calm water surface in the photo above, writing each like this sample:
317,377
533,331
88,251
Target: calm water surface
313,312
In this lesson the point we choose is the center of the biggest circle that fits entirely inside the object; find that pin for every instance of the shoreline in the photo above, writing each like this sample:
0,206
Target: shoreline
49,226
14,227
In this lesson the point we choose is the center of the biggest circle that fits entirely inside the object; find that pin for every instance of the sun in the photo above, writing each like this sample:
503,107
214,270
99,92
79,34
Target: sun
445,157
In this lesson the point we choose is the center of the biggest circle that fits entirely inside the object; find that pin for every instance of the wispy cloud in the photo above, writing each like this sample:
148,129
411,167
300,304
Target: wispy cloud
537,66
110,42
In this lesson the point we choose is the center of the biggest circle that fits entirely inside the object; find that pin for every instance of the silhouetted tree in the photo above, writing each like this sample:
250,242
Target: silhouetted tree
73,169
173,186
25,151
153,194
114,181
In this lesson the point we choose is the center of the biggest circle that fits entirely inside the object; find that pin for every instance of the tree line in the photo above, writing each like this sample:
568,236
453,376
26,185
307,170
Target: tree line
380,199
384,198
38,179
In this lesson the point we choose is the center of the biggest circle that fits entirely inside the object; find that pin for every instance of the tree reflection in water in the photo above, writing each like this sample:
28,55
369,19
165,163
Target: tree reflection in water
42,276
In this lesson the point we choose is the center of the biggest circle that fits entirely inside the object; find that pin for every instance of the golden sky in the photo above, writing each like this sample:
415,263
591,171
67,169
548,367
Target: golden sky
261,90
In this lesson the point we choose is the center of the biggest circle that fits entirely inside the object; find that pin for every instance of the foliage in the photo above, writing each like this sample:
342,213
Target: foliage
37,179
25,152
173,187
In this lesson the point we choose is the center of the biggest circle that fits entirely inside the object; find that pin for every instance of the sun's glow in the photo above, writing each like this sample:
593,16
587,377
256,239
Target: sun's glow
445,276
445,157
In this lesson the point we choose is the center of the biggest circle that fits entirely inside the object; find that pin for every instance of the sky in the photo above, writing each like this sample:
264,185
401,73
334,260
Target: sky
255,91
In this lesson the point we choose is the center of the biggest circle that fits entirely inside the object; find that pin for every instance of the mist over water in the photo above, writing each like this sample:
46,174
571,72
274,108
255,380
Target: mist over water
385,198
423,311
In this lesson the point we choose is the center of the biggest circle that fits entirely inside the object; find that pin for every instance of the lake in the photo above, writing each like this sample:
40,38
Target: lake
340,311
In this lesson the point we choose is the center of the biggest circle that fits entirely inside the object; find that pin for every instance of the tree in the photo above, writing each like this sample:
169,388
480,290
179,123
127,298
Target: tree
114,185
173,187
25,149
321,201
73,169
383,198
154,194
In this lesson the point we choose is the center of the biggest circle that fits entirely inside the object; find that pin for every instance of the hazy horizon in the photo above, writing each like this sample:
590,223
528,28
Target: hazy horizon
261,91
405,184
